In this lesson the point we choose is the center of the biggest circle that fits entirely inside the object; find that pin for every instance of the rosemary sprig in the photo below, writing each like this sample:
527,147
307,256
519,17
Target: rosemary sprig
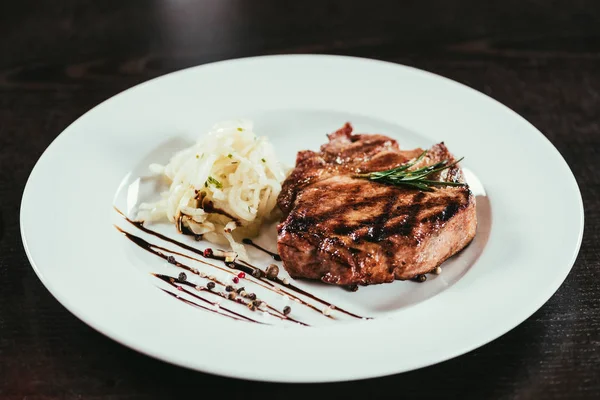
417,179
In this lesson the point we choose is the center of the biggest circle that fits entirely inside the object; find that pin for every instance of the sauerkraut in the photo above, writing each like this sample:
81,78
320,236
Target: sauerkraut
221,188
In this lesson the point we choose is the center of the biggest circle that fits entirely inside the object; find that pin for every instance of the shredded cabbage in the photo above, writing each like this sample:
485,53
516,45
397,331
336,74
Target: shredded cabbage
222,188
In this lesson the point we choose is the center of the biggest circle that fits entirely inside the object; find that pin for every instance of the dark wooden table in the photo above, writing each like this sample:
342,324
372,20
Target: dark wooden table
60,58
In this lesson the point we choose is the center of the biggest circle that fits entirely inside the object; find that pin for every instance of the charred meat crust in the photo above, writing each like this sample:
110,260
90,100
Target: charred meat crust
346,231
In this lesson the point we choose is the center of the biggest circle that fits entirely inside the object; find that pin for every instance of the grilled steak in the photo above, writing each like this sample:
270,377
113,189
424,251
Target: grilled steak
345,230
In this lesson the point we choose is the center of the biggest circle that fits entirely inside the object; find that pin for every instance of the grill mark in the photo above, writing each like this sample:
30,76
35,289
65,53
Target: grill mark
336,255
346,229
376,232
301,222
406,227
298,224
418,197
377,228
354,188
371,201
403,228
450,210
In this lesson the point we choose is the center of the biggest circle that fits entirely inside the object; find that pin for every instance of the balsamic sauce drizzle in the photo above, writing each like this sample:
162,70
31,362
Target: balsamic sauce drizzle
305,293
191,303
177,284
150,247
292,296
275,256
245,267
180,286
171,280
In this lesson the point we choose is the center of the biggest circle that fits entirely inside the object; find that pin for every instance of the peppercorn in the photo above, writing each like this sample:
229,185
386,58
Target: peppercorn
242,275
229,288
287,310
171,260
272,271
232,296
251,296
182,277
236,279
210,285
256,273
239,290
208,252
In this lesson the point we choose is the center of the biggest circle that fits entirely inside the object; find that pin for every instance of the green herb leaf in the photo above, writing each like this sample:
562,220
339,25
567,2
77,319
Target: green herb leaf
229,155
263,160
214,182
417,179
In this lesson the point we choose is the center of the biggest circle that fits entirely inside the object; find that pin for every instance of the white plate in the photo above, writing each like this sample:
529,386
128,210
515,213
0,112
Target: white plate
529,207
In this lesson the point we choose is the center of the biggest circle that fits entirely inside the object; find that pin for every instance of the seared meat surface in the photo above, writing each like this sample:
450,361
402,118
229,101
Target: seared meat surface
345,230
